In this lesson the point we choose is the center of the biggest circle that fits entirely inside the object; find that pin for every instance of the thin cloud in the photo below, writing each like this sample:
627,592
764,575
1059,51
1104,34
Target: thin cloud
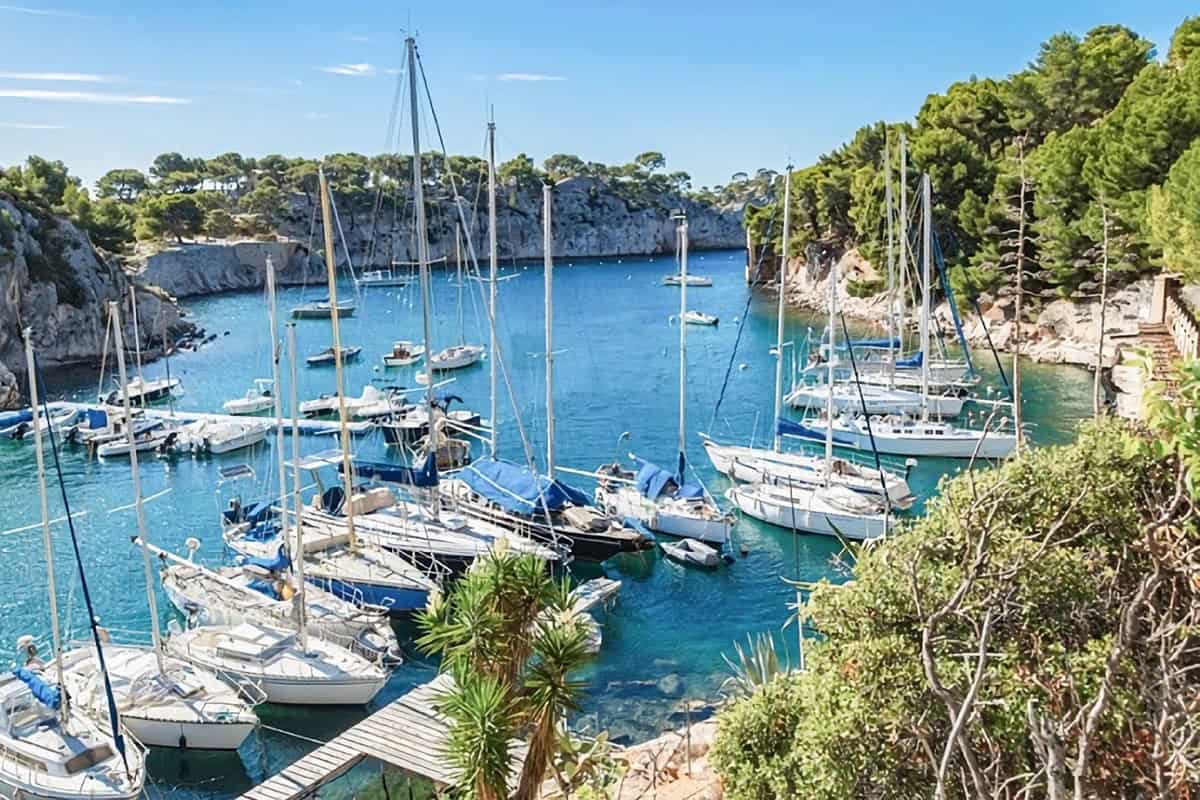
93,97
359,39
353,70
65,77
32,126
45,12
531,77
316,115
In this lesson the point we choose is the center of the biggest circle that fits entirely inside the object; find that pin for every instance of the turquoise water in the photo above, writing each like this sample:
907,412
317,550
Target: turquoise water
616,370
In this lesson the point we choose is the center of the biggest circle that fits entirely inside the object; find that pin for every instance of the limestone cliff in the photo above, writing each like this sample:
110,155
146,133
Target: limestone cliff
53,281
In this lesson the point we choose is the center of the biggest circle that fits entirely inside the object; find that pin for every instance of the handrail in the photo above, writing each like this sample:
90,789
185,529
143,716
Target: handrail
1182,325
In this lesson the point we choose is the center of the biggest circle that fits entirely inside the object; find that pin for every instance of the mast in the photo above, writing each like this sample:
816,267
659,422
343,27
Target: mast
422,244
301,608
151,600
331,278
926,258
137,338
833,278
783,264
903,276
683,282
493,259
548,257
462,325
891,268
47,542
276,387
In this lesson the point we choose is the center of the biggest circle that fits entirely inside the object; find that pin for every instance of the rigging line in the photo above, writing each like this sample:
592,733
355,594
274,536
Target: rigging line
113,717
742,324
887,500
471,249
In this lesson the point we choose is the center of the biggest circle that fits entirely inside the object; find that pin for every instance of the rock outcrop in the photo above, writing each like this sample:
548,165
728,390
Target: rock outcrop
53,281
198,268
1061,332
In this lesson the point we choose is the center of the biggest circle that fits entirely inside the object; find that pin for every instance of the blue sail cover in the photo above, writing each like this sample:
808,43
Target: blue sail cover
264,588
97,418
787,427
424,475
518,490
275,563
46,694
10,418
912,361
652,481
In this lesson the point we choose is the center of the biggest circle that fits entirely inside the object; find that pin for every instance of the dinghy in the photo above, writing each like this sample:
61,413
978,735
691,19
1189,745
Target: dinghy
404,353
690,280
256,400
699,318
456,357
289,673
691,553
327,357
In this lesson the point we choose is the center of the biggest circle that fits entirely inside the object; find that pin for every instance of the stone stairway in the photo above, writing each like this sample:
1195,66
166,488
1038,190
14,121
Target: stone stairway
1157,341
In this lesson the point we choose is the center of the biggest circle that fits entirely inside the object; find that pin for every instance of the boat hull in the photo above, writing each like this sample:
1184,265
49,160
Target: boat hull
397,600
973,444
805,517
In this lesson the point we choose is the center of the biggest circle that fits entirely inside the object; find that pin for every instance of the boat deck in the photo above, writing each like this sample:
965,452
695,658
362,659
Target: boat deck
308,427
407,733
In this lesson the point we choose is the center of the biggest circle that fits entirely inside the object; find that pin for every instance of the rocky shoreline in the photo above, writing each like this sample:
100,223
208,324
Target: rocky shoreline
1059,332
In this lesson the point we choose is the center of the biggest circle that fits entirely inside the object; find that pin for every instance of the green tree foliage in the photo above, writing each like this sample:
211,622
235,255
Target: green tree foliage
1012,635
176,215
113,224
266,200
122,184
218,223
507,635
562,165
1174,214
519,172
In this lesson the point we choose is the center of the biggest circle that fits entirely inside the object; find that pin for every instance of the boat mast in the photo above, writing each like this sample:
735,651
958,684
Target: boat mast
137,340
331,278
926,258
140,510
422,245
301,608
683,282
902,311
462,324
275,389
783,264
47,542
891,268
548,257
493,258
833,278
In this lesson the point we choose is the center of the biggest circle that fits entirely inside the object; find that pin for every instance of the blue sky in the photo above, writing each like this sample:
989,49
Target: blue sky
717,87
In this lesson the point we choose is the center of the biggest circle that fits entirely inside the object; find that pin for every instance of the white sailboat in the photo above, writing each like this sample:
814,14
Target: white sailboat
163,701
665,502
457,356
878,399
48,749
140,390
699,318
827,508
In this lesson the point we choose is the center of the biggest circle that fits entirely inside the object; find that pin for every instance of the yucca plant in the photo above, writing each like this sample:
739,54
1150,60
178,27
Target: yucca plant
754,666
508,635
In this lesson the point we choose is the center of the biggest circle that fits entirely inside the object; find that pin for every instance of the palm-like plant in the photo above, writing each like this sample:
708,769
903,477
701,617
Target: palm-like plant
753,667
508,635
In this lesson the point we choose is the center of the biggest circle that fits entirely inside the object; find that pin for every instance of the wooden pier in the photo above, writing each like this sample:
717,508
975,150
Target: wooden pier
307,427
407,733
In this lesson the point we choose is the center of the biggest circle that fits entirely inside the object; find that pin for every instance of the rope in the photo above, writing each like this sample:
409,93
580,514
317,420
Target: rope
870,434
292,734
742,324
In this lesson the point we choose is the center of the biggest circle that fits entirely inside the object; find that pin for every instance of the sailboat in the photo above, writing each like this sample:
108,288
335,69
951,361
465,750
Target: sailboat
460,355
140,390
165,702
826,508
916,434
775,466
667,502
324,309
47,748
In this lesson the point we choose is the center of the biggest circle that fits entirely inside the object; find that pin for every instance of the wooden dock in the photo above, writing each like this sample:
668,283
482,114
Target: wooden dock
407,733
307,427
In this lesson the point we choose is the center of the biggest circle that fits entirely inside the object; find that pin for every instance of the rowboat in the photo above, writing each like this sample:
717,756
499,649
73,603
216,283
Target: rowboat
691,553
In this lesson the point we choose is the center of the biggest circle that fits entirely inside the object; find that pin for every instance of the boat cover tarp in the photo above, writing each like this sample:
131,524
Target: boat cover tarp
97,418
275,563
424,475
912,361
46,694
257,512
652,481
265,588
10,418
444,399
262,532
517,489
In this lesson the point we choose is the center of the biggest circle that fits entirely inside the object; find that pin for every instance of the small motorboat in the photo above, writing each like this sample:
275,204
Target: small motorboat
699,318
257,400
214,437
143,391
404,354
692,553
155,439
383,277
456,356
323,309
327,356
692,280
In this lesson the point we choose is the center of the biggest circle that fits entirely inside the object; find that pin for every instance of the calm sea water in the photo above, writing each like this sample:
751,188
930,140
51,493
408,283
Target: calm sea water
616,370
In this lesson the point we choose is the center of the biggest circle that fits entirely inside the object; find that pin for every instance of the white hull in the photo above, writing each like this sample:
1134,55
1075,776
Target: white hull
878,400
804,509
245,406
932,439
689,519
120,447
404,354
753,465
457,357
699,318
692,280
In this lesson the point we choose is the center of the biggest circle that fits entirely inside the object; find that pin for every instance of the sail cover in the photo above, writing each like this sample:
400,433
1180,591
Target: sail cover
912,361
48,695
424,475
518,490
653,481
